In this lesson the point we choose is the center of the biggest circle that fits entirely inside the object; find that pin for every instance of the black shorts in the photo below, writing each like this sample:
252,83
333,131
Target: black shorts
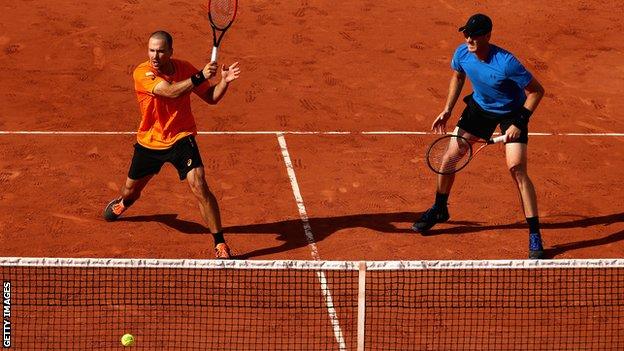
481,123
183,155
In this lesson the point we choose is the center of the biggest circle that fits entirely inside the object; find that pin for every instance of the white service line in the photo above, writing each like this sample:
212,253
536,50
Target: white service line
59,132
333,316
277,132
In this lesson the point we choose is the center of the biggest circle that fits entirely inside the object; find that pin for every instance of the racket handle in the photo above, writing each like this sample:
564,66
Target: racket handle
498,139
213,57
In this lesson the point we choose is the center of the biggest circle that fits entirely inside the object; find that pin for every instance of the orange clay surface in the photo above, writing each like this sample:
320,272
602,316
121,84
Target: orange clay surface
316,66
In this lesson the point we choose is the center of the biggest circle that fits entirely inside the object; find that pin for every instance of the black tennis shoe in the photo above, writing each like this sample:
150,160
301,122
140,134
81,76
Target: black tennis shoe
430,218
114,209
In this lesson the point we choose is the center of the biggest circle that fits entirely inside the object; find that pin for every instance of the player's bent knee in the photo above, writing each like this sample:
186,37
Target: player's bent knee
515,170
518,172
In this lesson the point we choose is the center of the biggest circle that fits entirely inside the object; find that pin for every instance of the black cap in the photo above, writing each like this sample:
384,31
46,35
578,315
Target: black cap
477,24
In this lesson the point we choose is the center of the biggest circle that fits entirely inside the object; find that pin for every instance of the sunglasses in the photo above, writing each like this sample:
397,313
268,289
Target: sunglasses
473,36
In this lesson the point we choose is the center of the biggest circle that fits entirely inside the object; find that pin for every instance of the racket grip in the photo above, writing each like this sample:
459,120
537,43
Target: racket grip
498,139
213,57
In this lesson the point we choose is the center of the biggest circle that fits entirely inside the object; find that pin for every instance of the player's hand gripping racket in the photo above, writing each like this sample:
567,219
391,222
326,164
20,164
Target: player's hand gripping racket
221,14
451,153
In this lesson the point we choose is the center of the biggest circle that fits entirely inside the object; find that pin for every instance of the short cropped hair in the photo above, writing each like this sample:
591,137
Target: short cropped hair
161,34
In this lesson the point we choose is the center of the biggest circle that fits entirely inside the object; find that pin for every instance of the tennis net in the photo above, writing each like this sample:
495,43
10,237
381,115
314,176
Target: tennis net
88,304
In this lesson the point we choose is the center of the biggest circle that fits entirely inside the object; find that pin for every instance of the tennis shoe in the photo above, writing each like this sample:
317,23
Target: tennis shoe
430,218
114,209
222,252
536,250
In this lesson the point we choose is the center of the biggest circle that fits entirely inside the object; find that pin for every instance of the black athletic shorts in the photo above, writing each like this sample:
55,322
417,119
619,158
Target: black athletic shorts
481,123
183,155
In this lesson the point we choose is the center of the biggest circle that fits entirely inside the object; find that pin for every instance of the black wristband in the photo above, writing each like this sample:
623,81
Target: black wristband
525,114
198,78
522,117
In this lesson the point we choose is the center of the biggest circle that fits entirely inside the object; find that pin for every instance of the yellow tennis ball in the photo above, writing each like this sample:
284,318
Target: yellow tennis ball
127,340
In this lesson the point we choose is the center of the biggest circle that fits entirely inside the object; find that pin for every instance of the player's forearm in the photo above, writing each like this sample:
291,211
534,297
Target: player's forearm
455,88
533,99
218,91
535,93
176,89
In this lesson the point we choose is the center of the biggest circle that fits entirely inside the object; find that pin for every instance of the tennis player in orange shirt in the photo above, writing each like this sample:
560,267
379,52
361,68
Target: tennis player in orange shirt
163,86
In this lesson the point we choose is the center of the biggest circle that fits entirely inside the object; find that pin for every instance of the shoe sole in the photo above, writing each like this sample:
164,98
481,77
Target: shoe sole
425,226
536,254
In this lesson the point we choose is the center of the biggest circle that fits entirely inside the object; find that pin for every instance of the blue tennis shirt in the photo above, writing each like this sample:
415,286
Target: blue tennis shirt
498,82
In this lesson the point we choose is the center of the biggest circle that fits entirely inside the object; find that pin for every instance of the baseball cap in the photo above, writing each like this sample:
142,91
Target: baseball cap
478,24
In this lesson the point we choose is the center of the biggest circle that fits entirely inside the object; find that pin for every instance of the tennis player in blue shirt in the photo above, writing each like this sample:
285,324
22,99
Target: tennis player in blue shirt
504,94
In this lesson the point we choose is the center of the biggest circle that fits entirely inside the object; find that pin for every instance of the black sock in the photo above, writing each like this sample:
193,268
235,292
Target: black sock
127,202
440,200
534,226
218,238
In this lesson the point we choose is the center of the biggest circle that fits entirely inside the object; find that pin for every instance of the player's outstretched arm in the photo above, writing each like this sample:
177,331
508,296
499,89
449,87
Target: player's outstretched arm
455,87
177,89
228,75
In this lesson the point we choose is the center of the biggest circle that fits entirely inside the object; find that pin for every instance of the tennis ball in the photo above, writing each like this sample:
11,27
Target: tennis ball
127,340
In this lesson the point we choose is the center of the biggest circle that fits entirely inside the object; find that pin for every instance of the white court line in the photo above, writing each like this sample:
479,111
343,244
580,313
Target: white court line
276,132
311,242
43,132
298,198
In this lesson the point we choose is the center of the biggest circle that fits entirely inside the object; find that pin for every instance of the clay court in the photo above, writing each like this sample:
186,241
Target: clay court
338,94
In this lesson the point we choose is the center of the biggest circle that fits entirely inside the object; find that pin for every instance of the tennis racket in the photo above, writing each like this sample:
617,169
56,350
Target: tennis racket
451,153
221,14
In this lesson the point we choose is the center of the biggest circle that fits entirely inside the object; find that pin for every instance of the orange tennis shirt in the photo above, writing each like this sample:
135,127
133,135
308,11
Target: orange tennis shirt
164,120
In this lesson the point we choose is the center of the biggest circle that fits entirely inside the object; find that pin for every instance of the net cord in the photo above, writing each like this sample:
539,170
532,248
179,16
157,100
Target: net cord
308,265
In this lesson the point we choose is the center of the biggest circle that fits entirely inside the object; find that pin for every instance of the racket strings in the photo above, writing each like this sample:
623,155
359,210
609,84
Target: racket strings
222,12
449,155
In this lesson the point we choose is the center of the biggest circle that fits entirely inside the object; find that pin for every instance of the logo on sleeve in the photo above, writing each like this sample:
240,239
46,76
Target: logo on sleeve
150,75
